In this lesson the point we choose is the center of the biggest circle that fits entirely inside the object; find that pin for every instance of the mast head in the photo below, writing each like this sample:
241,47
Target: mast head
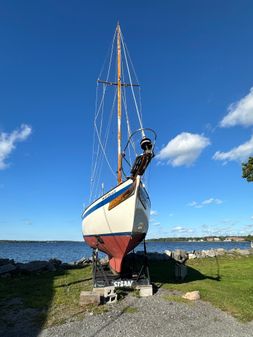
146,144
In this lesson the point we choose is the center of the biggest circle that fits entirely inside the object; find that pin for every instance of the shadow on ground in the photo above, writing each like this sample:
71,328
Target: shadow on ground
30,302
164,272
24,303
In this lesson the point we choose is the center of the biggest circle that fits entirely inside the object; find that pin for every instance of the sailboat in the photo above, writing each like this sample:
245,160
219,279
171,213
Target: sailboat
117,221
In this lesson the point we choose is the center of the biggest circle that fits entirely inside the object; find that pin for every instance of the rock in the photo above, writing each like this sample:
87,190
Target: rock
66,266
6,261
51,267
33,266
210,253
203,253
89,297
55,262
232,251
145,290
192,295
104,260
220,251
192,256
168,252
199,255
243,251
81,262
180,255
157,256
7,268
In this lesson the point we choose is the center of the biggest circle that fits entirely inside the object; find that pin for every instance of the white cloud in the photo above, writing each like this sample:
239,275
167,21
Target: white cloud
203,203
240,113
240,153
181,230
153,212
8,142
212,201
184,149
27,222
155,223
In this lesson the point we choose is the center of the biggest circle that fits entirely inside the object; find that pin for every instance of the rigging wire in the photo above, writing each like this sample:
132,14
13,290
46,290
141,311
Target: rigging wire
106,140
137,80
96,132
101,131
127,121
131,86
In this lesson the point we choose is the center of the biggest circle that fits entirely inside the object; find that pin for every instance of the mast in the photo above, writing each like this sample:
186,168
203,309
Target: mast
119,104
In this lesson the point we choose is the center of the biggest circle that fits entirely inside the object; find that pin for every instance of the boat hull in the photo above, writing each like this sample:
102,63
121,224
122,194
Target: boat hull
118,221
116,246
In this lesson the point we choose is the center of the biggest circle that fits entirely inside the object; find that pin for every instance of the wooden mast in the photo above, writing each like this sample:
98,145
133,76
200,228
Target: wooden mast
119,104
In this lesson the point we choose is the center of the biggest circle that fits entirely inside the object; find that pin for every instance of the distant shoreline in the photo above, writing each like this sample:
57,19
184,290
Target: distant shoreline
37,241
170,239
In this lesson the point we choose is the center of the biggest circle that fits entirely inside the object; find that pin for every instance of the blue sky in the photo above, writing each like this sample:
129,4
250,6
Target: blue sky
194,62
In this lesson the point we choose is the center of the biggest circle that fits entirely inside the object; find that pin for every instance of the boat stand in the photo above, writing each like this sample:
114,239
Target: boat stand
135,271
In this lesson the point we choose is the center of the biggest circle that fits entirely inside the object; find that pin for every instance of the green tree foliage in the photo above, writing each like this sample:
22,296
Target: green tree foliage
247,169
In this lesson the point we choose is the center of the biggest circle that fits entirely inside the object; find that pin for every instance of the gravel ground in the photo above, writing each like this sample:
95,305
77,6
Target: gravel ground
154,316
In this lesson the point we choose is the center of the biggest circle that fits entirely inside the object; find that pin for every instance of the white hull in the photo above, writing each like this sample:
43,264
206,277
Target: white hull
129,216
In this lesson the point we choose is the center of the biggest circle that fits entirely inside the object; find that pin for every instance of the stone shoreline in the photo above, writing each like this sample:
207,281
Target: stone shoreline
9,268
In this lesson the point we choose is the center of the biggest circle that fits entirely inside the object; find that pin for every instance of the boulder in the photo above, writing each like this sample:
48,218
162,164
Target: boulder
220,251
243,251
66,266
192,295
89,297
33,266
7,268
51,267
168,252
82,262
180,255
203,253
55,262
210,253
199,254
158,256
104,260
6,261
192,256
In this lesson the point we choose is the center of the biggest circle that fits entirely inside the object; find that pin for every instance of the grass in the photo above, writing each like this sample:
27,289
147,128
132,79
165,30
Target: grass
54,294
225,282
130,310
177,298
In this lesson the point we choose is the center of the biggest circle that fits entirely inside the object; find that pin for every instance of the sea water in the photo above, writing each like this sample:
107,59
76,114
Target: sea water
68,251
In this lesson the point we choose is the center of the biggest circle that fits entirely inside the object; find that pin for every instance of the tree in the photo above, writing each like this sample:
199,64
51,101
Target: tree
247,169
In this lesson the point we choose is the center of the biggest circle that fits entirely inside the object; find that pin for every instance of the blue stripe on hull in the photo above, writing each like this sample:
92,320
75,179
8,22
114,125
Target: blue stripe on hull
112,234
106,201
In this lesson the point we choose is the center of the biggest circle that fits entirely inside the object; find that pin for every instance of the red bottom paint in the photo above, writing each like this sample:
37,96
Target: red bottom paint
115,246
